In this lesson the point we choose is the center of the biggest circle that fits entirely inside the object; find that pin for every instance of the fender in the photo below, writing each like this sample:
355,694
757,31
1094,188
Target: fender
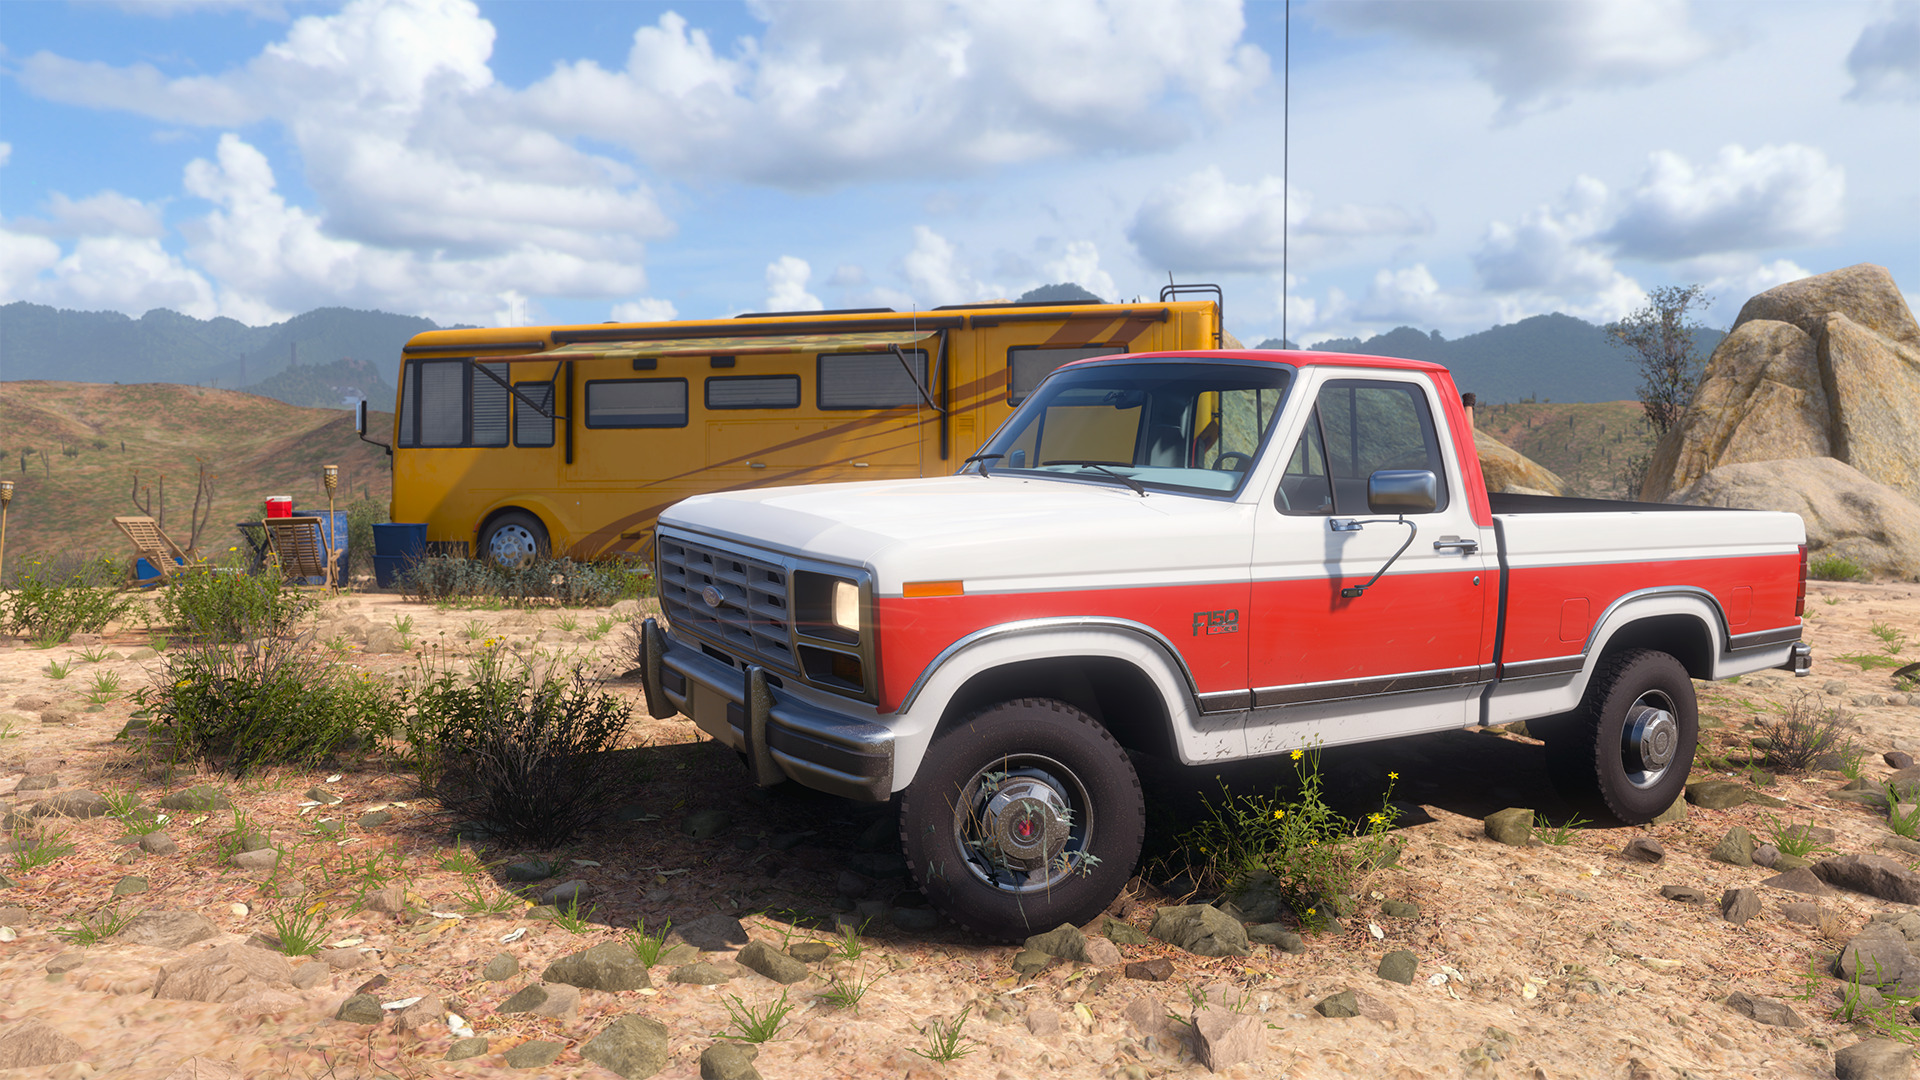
1196,737
1557,684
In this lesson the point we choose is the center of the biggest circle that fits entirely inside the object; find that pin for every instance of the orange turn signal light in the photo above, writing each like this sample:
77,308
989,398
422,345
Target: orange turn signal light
914,590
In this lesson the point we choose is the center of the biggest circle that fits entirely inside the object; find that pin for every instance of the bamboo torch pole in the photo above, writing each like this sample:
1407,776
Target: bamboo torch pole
6,496
330,474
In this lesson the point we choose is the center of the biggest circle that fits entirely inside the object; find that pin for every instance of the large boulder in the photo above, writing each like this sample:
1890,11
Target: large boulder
1824,366
1847,514
1507,469
228,973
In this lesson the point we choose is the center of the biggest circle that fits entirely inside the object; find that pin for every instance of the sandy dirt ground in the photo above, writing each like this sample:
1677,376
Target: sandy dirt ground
1551,961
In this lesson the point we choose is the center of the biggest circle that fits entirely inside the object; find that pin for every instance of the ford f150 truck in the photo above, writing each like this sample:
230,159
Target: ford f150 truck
1204,556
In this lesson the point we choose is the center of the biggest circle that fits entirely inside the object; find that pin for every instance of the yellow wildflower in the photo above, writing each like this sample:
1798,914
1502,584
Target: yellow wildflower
1278,814
1298,754
1376,818
1393,776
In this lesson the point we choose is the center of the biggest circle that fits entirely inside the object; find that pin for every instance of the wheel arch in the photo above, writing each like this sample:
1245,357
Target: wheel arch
1113,691
1686,624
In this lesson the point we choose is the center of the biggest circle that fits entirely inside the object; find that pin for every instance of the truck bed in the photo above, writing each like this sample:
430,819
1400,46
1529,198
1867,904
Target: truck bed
1505,503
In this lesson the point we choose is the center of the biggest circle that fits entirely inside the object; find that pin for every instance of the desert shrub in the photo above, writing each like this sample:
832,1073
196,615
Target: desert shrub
268,702
218,604
362,516
54,599
1799,735
532,755
1299,847
1835,568
561,581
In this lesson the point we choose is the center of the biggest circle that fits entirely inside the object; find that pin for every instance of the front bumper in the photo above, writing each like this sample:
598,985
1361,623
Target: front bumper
782,736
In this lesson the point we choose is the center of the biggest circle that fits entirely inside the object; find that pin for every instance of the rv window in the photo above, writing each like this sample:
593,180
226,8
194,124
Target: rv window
530,428
1028,364
637,403
754,391
871,380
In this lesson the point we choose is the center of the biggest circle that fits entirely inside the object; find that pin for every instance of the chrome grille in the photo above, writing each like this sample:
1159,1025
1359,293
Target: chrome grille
751,618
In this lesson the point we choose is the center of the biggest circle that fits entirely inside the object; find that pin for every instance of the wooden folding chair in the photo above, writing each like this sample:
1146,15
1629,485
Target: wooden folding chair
153,545
301,544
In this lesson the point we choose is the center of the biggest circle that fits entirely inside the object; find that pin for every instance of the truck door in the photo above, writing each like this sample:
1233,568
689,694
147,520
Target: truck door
1406,655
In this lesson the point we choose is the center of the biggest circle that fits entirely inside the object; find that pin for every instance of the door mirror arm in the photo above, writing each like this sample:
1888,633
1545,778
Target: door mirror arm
1355,525
360,427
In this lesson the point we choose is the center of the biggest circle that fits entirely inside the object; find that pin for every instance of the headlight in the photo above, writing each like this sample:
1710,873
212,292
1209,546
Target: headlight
846,606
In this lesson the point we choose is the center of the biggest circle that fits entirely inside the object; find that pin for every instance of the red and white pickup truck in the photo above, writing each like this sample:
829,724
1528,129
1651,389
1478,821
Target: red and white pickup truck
1204,556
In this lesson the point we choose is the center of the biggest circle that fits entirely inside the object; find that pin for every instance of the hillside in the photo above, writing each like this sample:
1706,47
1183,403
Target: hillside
328,386
253,446
1546,358
1594,446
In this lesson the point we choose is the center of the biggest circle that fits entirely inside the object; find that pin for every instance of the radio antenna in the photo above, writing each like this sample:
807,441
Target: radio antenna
1286,183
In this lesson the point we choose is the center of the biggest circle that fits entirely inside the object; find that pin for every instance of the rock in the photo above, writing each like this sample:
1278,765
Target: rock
918,918
263,859
158,843
323,796
729,1061
1512,826
1030,961
1399,909
42,782
612,965
558,1000
1676,812
1506,469
65,962
1123,933
470,1047
809,952
74,804
254,841
1683,894
361,1009
502,967
706,824
198,799
1766,855
1717,794
1764,1010
1043,1022
567,895
1399,966
1877,956
1338,1006
32,1042
373,819
1806,914
1900,844
130,886
1278,936
1064,941
534,1054
1643,849
164,929
391,900
1873,1059
851,885
1222,1037
1735,848
341,959
1800,880
1897,759
1847,515
1260,898
1159,969
699,973
632,1046
712,933
771,962
1739,905
311,974
1874,875
529,870
421,1015
225,974
1200,929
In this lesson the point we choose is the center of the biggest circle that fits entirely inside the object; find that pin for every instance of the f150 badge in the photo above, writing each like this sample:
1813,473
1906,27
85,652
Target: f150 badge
1216,622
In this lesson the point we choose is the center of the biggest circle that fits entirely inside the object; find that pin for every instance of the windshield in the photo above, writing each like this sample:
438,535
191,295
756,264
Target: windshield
1194,427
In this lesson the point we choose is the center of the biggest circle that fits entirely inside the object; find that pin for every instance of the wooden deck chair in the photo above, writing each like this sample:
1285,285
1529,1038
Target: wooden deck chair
153,545
301,544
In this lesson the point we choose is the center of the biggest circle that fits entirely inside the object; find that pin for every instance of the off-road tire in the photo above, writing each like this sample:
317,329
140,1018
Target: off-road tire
934,810
508,527
1586,755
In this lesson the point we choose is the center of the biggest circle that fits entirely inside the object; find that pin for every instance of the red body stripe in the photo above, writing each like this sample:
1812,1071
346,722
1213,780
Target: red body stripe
1536,614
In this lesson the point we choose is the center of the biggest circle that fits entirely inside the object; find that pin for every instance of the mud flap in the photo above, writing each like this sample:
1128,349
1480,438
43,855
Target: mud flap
759,702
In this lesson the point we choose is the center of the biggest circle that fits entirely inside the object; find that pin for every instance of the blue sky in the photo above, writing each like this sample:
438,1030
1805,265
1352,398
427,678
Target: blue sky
1453,164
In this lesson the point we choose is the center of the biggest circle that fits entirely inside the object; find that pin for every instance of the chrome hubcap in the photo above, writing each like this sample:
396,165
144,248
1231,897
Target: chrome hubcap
1020,824
512,545
1649,739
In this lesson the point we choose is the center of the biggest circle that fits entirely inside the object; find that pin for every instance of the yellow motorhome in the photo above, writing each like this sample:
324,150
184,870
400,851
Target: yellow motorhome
572,439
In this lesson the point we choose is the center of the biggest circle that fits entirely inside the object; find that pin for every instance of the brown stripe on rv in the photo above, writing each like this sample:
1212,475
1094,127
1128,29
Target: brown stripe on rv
1078,331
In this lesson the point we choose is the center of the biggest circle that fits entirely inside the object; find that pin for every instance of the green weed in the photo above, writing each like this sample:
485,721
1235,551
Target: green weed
58,670
568,623
301,930
648,947
475,901
1905,824
219,606
1835,568
1891,638
462,861
1795,840
846,993
1558,835
95,654
944,1042
756,1025
474,629
52,601
570,919
103,925
43,848
1871,661
850,946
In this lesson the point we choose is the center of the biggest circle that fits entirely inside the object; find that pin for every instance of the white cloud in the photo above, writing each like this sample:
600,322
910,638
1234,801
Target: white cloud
1885,59
1775,196
1535,54
847,276
23,257
1206,223
1078,261
6,153
645,309
936,276
1551,247
1732,280
787,285
108,213
838,92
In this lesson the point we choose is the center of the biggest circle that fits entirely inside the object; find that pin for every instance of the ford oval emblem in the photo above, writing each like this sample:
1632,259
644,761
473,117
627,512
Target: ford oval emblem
713,596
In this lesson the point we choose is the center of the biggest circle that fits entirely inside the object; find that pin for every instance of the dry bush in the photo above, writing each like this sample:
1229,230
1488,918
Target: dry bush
1800,734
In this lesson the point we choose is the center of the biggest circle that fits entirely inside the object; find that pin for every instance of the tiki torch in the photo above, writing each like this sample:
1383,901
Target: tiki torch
330,475
6,496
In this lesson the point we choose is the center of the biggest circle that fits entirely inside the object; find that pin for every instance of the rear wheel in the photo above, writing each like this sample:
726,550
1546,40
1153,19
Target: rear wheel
513,539
1025,816
1627,749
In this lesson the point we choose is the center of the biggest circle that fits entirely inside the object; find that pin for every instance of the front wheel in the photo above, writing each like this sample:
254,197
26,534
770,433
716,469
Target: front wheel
513,540
1025,816
1627,749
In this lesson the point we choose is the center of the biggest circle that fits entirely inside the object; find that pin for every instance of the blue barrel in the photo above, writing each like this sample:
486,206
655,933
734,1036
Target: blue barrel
396,546
333,525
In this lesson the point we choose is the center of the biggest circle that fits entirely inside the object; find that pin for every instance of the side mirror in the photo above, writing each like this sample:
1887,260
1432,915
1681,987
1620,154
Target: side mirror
1402,491
360,417
1018,460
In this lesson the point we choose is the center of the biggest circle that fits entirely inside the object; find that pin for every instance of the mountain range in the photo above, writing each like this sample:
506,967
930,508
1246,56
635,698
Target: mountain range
329,357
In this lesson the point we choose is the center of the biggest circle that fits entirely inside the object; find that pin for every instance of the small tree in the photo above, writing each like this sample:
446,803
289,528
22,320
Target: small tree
1661,335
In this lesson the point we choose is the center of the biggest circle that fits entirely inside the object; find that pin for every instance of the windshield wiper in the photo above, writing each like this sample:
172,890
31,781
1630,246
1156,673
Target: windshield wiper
1138,488
983,459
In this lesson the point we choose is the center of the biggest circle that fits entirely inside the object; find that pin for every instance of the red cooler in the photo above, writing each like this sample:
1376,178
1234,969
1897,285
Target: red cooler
279,506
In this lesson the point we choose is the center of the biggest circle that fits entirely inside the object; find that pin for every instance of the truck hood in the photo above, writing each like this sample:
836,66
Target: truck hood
1001,531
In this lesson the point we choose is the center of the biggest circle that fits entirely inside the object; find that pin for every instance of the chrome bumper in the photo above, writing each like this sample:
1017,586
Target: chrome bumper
782,736
1800,662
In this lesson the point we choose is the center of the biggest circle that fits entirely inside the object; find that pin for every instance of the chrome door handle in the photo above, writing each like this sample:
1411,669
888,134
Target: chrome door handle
756,464
1454,543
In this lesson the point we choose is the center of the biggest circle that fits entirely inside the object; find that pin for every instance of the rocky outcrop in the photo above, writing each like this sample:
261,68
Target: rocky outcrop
1828,366
1847,515
1507,469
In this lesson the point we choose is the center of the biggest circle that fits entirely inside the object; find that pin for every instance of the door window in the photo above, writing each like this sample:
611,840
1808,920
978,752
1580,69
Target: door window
1357,428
